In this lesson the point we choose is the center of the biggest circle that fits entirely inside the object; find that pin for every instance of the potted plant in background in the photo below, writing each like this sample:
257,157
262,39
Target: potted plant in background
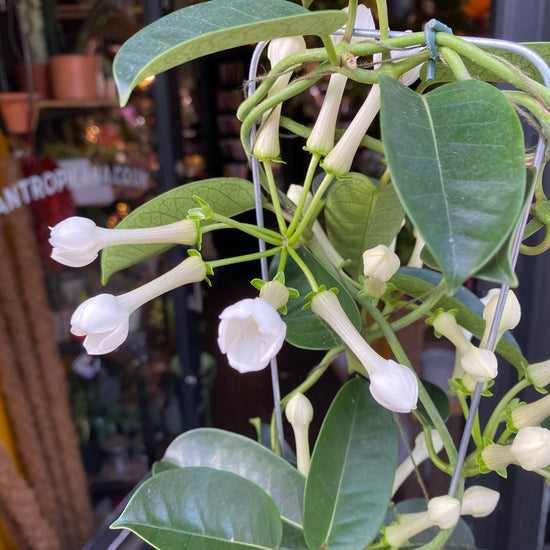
456,169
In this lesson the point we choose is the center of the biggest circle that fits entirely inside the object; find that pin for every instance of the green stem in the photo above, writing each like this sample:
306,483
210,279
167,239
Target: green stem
423,395
245,257
311,209
305,269
504,436
496,417
383,24
266,235
273,191
314,375
331,51
350,25
455,63
314,161
476,432
383,181
543,473
443,466
350,280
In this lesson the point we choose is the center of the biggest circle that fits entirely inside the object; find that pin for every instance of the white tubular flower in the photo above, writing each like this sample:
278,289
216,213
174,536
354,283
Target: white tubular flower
415,260
532,414
394,386
380,262
531,448
479,501
104,319
442,512
275,293
299,413
374,287
340,158
321,139
445,323
480,364
266,143
539,373
250,333
418,454
511,314
293,193
497,457
77,241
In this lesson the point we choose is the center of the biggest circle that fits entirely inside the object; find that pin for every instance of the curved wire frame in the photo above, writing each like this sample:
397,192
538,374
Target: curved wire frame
544,70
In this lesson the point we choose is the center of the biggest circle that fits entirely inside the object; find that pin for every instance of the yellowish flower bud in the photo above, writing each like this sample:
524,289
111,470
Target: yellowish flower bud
445,323
374,287
380,262
275,294
480,364
511,315
539,373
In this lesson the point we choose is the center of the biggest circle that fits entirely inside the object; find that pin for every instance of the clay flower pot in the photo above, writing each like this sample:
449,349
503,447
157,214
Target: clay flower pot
14,108
74,76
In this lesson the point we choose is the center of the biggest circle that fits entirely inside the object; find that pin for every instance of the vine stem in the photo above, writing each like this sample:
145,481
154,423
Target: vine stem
263,233
245,257
423,395
274,196
305,269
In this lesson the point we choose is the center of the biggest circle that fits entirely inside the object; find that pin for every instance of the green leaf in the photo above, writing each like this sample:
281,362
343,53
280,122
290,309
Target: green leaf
445,74
227,196
462,537
349,484
417,282
245,457
210,27
304,328
440,400
359,217
457,163
202,508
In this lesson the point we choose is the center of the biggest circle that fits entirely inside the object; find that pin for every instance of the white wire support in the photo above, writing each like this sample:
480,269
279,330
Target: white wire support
538,62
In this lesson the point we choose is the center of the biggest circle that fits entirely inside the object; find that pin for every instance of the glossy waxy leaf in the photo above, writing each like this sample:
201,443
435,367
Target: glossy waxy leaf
227,196
457,163
418,282
359,216
203,508
210,27
349,484
440,400
242,456
304,328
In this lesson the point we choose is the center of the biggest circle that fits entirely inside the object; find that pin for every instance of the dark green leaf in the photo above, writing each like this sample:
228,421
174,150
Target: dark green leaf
245,457
227,196
440,400
457,163
210,27
304,329
417,282
350,480
202,508
359,217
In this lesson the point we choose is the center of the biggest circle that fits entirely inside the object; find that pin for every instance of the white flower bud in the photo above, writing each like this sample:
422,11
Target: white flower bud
275,293
266,143
299,413
444,511
539,373
445,323
531,448
104,319
479,501
373,287
250,333
380,262
511,314
394,386
497,457
480,364
532,414
77,241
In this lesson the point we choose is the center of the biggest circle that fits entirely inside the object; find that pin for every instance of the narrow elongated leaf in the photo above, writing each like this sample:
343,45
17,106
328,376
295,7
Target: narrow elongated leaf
456,160
210,27
350,479
359,217
242,456
202,508
417,282
227,196
304,328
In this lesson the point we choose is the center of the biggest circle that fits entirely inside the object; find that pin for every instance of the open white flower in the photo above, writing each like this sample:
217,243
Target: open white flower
104,319
77,241
394,386
251,333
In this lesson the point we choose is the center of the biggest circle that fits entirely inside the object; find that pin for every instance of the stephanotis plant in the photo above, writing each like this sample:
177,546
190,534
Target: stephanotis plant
457,174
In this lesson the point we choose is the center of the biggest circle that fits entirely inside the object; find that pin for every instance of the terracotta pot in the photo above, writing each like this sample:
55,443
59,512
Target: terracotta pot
40,78
74,76
14,108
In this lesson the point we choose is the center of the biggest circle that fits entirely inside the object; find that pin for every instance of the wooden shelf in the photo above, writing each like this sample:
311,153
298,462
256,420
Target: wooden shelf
94,103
